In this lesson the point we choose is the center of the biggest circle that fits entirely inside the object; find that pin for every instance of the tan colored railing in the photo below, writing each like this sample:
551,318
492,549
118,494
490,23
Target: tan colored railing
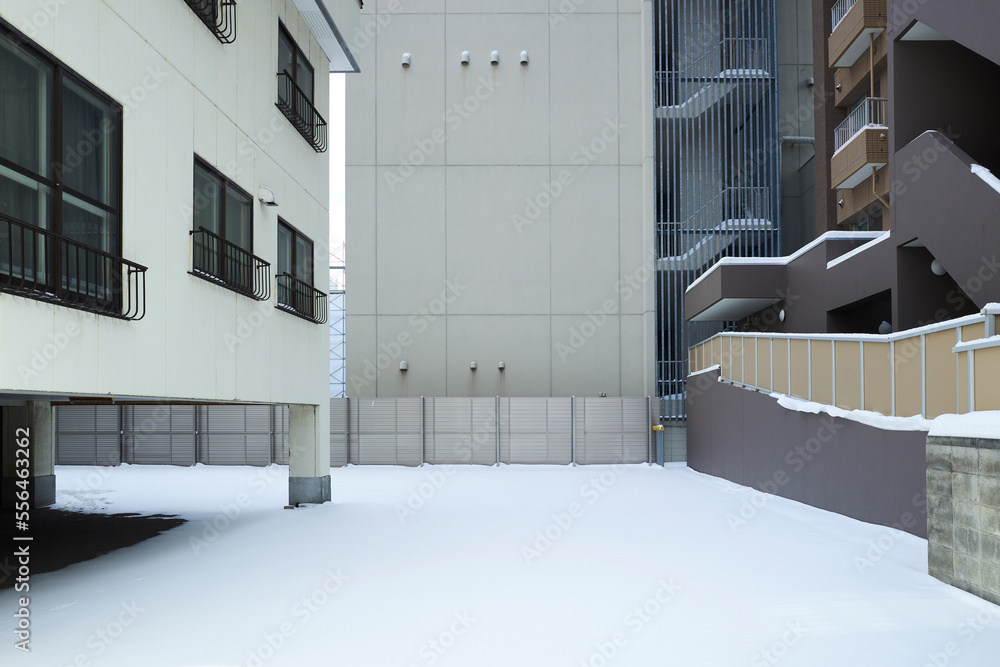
950,367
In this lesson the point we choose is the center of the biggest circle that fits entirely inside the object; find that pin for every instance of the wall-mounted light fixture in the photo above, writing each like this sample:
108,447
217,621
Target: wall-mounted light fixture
266,196
781,315
810,82
937,268
885,328
404,366
406,59
495,57
465,57
473,366
524,57
840,203
501,366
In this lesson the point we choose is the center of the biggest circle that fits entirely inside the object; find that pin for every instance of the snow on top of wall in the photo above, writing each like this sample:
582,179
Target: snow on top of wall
982,424
716,367
857,251
867,417
986,175
835,235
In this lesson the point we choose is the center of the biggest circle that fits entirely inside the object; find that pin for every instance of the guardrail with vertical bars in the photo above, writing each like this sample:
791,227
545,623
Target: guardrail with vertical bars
949,367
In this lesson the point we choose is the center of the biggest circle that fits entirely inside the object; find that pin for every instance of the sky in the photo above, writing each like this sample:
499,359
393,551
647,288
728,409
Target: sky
336,152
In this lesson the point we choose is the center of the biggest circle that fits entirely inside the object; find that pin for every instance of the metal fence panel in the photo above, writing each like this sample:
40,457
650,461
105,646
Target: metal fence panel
338,432
159,434
88,435
384,431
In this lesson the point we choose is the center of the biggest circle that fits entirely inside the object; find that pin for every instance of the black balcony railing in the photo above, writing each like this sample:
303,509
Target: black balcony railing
302,299
218,15
300,112
38,264
220,261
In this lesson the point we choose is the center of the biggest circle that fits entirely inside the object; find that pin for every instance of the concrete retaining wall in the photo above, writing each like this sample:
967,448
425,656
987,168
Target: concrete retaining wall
834,464
963,522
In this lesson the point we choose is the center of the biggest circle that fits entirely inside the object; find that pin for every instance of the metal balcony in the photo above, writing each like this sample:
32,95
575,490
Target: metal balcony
219,261
219,16
873,112
302,299
861,144
38,264
855,24
299,110
839,11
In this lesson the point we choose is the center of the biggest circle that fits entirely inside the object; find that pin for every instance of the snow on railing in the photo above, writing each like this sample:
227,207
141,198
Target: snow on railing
927,371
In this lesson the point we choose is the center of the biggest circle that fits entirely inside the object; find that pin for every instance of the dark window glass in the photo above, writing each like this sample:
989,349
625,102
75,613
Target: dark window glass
295,270
223,220
304,75
286,248
27,104
292,60
72,189
303,259
89,142
222,207
207,193
286,53
238,216
295,253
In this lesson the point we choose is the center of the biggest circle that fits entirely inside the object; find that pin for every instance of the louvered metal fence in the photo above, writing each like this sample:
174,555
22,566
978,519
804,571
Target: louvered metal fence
558,431
382,431
171,434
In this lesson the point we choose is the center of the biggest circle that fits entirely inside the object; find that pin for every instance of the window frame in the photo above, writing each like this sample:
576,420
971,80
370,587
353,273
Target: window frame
296,235
226,184
296,52
303,302
56,157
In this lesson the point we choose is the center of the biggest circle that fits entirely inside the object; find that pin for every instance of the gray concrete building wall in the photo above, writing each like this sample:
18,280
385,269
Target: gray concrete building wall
796,118
501,212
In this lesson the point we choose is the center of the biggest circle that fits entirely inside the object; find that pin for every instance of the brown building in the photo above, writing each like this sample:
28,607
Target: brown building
928,145
850,57
867,315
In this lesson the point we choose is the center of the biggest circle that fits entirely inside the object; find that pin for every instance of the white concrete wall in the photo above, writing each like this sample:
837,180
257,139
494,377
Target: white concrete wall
481,225
183,93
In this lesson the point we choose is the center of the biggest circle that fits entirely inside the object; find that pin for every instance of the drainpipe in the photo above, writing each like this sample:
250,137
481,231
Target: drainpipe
871,65
871,89
885,204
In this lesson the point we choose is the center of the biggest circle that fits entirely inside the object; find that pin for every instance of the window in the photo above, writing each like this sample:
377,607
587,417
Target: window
870,220
296,293
60,183
293,62
296,89
223,234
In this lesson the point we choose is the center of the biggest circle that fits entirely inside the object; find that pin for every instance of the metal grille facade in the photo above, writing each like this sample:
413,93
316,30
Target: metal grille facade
717,176
485,431
381,431
171,434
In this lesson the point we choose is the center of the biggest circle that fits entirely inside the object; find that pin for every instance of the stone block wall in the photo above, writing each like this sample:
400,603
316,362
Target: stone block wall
963,513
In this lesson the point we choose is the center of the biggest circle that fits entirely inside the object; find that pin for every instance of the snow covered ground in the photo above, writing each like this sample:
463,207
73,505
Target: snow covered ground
513,566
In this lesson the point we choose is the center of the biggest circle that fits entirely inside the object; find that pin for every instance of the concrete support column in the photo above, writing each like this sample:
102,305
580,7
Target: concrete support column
34,424
308,456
